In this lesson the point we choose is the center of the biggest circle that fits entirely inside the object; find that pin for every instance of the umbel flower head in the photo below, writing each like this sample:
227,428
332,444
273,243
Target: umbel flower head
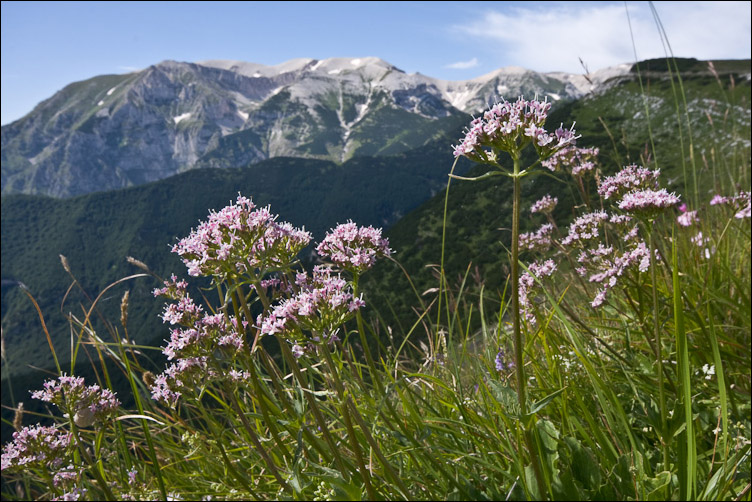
510,127
239,239
36,446
324,302
88,403
354,248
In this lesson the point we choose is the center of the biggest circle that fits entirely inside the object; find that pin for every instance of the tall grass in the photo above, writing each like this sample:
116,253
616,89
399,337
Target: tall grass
277,388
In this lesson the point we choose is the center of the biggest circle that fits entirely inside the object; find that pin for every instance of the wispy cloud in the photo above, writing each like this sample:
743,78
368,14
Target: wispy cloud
463,65
129,69
546,38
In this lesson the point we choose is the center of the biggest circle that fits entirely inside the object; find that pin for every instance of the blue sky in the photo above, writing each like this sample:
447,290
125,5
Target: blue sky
47,45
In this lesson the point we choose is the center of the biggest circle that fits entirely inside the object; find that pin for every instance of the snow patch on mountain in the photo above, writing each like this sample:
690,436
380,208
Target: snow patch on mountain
181,117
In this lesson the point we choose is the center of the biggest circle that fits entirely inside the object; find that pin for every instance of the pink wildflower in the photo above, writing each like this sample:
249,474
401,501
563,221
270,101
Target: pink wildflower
36,446
354,248
648,201
688,219
509,127
585,227
539,240
322,305
545,205
88,403
579,160
240,239
630,178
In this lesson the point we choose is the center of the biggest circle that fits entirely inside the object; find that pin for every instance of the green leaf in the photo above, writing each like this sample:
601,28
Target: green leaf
539,405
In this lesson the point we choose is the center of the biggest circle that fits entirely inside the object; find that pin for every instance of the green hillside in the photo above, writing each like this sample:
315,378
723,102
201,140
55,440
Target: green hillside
479,213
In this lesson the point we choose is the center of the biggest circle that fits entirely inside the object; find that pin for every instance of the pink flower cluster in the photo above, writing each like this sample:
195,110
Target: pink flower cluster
173,288
545,205
323,303
630,178
189,374
202,339
585,227
509,127
687,219
354,248
527,283
203,334
579,160
648,202
539,240
88,403
240,239
36,446
608,265
740,202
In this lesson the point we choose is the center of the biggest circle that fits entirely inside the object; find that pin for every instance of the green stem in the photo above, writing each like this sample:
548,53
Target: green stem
287,354
658,348
366,349
256,442
345,410
518,341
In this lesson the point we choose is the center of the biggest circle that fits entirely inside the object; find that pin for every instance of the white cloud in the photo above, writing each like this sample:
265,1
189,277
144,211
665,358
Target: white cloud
553,37
463,65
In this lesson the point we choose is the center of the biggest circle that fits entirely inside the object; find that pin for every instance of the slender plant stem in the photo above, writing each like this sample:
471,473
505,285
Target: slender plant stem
658,348
364,341
365,474
518,341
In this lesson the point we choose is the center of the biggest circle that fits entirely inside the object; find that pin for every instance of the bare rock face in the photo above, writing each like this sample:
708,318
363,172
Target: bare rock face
115,131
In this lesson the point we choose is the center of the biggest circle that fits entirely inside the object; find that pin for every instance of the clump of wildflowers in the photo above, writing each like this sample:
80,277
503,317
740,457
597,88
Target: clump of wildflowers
354,248
606,265
502,362
323,303
687,219
203,334
87,403
185,375
578,160
540,240
648,202
204,344
585,227
36,446
527,285
740,202
240,239
545,205
509,127
629,179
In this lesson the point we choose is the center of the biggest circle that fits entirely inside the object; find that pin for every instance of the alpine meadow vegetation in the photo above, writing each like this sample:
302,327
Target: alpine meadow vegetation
614,365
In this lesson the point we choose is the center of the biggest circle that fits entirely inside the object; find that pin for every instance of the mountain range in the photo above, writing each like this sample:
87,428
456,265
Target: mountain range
117,131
